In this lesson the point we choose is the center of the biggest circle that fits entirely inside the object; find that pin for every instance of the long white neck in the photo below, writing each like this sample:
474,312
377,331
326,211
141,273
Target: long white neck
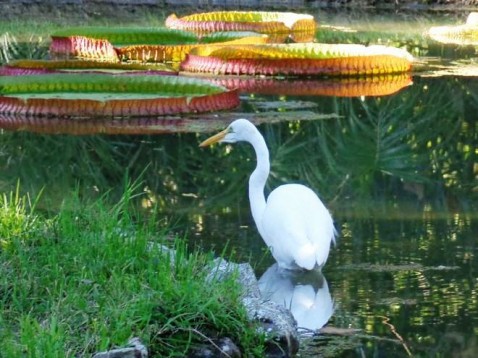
258,178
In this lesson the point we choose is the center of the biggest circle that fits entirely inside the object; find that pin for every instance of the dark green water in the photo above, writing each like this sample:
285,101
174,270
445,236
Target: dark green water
399,172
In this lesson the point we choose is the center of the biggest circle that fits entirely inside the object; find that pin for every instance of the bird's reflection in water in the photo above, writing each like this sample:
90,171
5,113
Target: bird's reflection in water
305,293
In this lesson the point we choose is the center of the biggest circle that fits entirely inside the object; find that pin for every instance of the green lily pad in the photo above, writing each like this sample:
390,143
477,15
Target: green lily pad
122,36
96,95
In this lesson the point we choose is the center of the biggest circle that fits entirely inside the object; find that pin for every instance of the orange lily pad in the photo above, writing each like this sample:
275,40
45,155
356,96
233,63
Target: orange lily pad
177,53
299,59
266,22
98,43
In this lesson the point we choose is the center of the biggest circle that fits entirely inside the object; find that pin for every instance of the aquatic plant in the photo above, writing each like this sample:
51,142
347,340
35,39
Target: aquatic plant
298,59
257,21
466,34
177,53
138,44
12,47
30,67
80,47
123,36
96,95
98,42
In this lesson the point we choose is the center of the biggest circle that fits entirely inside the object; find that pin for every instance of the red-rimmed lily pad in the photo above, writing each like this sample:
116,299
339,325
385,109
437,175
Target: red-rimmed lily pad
97,95
82,47
337,86
32,67
138,44
99,42
267,22
299,59
177,53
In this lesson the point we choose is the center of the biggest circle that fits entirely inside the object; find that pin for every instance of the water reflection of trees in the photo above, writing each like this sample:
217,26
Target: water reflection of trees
415,144
418,274
418,146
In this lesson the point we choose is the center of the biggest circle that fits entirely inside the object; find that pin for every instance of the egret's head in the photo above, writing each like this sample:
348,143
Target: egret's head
239,130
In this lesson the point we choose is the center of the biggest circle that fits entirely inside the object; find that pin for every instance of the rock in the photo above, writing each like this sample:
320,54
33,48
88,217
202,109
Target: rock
165,251
220,348
222,269
276,321
135,349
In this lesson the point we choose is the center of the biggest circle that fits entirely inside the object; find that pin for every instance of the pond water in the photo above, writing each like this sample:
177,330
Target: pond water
399,173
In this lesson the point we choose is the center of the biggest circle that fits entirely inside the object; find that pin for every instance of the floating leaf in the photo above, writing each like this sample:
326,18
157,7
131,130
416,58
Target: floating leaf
177,53
298,59
237,36
258,21
122,36
81,47
458,35
104,95
98,42
313,51
466,34
30,67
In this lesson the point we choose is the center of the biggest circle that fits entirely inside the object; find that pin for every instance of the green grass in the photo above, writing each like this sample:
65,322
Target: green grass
88,280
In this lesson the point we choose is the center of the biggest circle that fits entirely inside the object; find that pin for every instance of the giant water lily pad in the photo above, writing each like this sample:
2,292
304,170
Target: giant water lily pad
177,53
124,36
299,59
31,67
82,47
266,22
93,95
138,44
466,34
99,42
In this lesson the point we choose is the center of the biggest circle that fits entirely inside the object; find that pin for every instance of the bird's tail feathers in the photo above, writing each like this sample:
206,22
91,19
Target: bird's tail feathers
305,257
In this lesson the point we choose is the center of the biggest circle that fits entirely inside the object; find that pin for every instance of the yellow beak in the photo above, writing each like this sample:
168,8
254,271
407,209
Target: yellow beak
214,139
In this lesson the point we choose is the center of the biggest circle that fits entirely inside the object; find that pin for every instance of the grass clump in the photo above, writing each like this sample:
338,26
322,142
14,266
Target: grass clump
89,279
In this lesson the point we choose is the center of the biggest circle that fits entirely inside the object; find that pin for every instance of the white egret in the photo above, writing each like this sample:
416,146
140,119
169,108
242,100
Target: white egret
294,223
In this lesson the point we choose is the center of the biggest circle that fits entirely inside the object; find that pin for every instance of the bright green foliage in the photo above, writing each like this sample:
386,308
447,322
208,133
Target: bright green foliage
314,51
15,223
91,83
90,279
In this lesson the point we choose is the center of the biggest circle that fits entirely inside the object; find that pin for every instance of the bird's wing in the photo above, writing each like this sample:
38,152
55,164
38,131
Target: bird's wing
298,226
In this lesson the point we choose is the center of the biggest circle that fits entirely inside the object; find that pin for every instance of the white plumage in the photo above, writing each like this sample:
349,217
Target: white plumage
305,294
293,222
